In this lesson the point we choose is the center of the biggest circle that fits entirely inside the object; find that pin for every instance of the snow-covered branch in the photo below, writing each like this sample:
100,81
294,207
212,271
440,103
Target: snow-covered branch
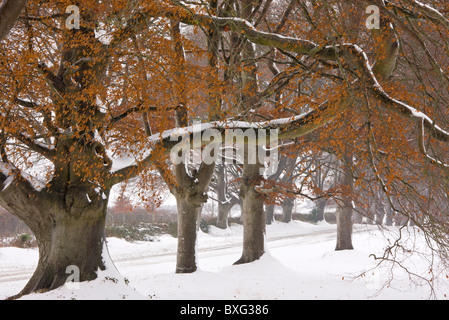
11,174
423,149
430,12
301,125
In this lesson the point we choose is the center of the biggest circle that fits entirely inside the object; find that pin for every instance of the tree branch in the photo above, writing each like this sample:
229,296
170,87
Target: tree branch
430,12
36,147
301,125
9,13
128,112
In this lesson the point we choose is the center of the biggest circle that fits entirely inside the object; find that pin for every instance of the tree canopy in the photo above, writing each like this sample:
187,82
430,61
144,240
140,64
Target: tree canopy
83,109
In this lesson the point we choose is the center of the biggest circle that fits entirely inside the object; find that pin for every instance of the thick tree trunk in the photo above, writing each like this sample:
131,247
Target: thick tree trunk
190,193
253,216
254,220
188,218
74,242
69,228
241,219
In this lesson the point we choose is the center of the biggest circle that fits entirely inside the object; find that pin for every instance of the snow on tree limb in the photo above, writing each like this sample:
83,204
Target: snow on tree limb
290,127
10,173
430,12
300,125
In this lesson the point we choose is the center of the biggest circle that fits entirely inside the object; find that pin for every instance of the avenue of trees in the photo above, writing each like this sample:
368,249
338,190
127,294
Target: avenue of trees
358,98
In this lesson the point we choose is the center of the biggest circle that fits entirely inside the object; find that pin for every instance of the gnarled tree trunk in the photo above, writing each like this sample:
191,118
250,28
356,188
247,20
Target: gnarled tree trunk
75,241
69,227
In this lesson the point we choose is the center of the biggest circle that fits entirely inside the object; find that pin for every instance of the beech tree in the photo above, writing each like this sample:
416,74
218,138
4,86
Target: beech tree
226,192
88,109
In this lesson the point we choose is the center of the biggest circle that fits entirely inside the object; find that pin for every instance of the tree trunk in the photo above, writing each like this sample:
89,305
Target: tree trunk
223,212
344,229
320,207
70,231
190,193
188,219
388,213
287,208
222,216
190,188
253,216
223,206
253,203
74,242
270,214
242,212
380,214
344,216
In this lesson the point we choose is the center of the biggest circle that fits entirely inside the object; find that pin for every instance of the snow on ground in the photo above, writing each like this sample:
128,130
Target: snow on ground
300,263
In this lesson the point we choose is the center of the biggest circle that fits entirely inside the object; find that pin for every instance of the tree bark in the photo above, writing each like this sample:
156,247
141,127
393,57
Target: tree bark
75,242
388,213
9,13
188,218
223,213
242,212
253,216
344,229
320,207
270,214
344,215
223,206
287,208
69,227
222,216
380,213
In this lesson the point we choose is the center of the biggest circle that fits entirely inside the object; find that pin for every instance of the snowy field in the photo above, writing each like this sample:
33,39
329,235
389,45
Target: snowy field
300,264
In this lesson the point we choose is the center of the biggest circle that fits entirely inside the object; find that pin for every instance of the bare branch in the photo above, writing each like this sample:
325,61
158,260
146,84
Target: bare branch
128,112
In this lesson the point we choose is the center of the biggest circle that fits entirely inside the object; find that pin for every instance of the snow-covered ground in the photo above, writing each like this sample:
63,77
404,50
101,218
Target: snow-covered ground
300,263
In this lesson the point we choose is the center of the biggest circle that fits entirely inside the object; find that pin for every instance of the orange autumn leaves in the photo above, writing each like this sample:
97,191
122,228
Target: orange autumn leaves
140,73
